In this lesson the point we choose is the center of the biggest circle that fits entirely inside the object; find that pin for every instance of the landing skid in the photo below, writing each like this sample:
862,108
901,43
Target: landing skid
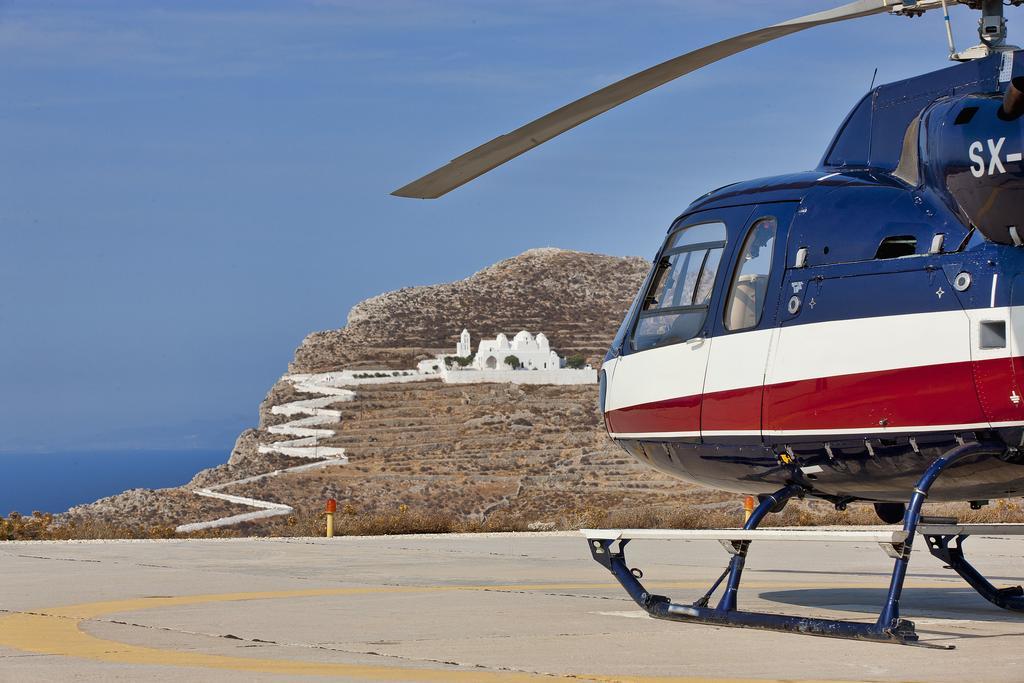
945,541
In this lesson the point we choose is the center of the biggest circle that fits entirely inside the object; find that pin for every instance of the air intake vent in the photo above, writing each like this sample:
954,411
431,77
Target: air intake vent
965,116
993,334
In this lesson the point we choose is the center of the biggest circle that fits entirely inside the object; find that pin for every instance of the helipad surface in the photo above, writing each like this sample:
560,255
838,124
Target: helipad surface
475,608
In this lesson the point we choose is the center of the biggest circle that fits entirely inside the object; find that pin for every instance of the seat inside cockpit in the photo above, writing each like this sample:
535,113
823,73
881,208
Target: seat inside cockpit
749,289
747,301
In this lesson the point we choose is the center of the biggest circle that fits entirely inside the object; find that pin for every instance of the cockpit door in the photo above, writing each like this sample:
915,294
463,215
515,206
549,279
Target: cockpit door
654,387
744,324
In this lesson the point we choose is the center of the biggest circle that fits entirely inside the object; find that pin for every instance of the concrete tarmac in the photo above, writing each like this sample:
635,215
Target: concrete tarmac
496,607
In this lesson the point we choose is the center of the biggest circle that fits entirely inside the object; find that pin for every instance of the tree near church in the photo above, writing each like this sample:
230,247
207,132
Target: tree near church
576,361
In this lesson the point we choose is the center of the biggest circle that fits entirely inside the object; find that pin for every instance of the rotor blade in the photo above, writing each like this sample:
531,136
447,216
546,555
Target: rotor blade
492,154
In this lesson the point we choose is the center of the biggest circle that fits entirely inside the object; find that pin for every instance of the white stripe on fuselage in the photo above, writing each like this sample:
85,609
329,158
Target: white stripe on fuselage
916,429
846,347
739,360
656,435
658,374
803,352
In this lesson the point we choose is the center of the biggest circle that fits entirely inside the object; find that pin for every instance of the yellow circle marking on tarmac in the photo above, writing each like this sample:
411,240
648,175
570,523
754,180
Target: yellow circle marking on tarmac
58,632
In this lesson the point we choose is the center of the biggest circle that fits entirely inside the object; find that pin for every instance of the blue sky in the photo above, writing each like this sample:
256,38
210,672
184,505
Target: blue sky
188,188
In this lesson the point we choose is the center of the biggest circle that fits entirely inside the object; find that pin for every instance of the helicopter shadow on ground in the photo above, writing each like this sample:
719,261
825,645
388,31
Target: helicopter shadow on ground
954,604
884,576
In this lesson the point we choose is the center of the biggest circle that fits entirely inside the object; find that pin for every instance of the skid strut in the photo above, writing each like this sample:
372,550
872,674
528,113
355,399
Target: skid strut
950,549
889,628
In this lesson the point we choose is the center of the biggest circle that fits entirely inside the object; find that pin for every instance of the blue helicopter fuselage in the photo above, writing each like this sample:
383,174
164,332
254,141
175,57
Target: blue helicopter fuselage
840,328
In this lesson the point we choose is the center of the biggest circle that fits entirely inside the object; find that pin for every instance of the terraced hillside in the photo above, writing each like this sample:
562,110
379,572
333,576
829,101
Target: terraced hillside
538,452
534,451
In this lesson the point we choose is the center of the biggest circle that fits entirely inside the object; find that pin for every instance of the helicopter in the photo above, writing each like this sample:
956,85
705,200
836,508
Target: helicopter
852,333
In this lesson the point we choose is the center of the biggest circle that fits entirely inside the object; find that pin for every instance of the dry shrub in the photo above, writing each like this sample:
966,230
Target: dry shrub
42,526
501,520
238,531
797,513
402,520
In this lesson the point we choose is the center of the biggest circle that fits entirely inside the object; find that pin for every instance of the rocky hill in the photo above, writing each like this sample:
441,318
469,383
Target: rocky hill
576,299
470,451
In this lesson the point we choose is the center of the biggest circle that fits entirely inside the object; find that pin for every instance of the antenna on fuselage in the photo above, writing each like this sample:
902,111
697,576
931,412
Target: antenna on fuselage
949,30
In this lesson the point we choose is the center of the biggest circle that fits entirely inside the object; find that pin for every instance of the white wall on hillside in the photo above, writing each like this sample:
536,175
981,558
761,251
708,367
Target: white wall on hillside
431,366
456,375
354,378
563,377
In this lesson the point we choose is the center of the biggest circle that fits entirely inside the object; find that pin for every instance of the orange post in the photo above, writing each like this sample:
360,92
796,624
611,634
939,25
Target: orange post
332,507
748,508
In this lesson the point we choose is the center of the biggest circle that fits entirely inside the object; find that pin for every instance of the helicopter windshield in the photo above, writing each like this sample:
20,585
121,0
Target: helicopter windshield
676,303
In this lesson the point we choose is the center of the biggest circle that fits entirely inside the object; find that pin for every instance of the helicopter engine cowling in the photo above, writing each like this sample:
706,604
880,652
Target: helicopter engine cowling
973,155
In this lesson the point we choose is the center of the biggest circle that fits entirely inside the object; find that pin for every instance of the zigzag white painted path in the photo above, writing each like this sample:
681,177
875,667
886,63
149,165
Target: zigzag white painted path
306,445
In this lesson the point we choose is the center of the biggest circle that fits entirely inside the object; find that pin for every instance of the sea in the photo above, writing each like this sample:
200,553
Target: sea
53,482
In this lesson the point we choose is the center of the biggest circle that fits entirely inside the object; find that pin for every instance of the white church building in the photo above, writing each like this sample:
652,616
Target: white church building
538,364
533,353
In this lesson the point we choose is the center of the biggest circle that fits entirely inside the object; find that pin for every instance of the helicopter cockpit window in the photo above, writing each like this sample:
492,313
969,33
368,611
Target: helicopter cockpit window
750,284
676,302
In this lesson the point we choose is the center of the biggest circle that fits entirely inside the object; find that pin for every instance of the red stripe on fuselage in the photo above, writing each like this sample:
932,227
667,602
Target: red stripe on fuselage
919,396
673,415
930,395
996,384
735,409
